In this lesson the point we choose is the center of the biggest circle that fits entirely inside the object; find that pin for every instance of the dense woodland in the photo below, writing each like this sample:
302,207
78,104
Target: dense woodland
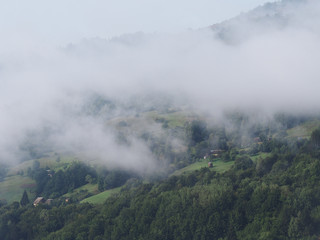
274,197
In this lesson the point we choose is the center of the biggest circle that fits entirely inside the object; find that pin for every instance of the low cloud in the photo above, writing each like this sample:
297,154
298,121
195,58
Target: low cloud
267,61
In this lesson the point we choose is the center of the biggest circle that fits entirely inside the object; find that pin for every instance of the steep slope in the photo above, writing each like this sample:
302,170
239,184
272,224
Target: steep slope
268,18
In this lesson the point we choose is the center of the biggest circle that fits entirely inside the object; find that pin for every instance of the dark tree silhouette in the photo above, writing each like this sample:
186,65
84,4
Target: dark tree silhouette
315,137
25,199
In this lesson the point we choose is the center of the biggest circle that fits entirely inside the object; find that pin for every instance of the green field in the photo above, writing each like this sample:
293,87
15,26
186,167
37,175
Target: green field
51,161
12,188
91,188
83,191
304,130
218,165
101,197
175,119
260,155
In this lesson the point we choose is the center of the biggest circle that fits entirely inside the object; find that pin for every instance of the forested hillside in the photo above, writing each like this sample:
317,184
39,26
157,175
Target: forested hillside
273,196
210,133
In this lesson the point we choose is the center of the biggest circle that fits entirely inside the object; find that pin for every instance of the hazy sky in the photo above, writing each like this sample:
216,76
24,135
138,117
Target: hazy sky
272,65
64,21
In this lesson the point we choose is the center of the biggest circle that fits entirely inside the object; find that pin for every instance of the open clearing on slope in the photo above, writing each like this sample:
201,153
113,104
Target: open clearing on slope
174,119
83,191
101,197
260,155
304,130
11,189
218,165
54,162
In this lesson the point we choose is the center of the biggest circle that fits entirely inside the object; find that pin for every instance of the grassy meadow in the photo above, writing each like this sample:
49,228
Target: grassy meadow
101,197
218,165
304,130
12,187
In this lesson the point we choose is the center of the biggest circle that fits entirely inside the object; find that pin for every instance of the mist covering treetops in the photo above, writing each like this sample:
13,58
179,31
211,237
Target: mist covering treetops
273,16
271,65
270,16
262,62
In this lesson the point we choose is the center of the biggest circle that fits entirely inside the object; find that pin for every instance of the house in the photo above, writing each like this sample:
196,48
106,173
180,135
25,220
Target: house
258,140
216,152
50,173
38,201
41,200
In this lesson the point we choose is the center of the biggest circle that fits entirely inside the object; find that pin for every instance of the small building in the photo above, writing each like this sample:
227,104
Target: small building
38,201
210,165
50,173
216,152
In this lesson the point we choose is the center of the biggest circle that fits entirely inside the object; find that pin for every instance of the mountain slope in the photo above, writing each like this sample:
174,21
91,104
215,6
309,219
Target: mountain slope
268,18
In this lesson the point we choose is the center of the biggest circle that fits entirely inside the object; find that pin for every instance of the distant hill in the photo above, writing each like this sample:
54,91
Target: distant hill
269,17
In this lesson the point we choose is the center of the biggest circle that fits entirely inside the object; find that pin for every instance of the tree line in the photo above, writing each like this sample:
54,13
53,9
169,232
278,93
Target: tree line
276,197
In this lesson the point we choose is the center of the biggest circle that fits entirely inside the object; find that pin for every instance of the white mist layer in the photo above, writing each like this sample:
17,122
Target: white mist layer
44,86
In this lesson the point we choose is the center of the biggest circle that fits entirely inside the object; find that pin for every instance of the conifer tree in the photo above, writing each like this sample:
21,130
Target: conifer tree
25,199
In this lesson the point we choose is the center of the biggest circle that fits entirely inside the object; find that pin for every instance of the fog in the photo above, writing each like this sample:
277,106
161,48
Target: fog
265,61
68,21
